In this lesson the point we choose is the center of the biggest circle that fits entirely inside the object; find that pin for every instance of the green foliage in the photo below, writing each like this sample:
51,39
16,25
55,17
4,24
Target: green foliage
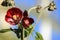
28,31
38,36
4,30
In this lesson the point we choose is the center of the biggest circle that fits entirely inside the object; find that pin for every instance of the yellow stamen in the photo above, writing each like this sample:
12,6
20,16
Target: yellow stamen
14,17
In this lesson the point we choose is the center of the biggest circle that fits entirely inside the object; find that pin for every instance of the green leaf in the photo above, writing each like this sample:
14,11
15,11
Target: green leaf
4,30
38,36
25,33
28,31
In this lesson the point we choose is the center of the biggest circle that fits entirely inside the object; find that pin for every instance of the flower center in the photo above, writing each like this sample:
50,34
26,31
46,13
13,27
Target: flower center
15,17
26,21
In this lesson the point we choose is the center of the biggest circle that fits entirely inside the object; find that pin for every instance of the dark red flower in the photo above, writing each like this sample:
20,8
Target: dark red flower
26,22
25,14
13,16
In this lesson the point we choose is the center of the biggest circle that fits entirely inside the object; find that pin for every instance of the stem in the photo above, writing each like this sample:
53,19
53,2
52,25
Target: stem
22,33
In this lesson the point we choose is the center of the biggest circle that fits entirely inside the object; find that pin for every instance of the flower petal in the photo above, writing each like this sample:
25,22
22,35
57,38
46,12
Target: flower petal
25,14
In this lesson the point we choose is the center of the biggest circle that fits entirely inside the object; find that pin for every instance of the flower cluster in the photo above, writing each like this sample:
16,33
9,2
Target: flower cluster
15,16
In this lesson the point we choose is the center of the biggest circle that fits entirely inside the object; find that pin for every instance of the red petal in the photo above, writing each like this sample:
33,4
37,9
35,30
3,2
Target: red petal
31,20
10,21
25,14
14,11
23,22
9,14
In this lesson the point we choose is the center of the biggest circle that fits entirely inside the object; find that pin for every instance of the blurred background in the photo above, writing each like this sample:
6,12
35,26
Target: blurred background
48,24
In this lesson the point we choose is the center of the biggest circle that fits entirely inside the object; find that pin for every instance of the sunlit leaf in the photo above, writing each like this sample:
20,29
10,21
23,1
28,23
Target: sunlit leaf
38,36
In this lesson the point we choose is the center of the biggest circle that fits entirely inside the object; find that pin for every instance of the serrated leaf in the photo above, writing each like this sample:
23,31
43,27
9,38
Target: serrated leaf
39,36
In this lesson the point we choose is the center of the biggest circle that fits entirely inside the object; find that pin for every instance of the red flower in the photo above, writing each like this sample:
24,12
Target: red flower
13,16
26,22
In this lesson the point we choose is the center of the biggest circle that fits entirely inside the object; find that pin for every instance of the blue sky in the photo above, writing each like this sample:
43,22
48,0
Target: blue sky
55,34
